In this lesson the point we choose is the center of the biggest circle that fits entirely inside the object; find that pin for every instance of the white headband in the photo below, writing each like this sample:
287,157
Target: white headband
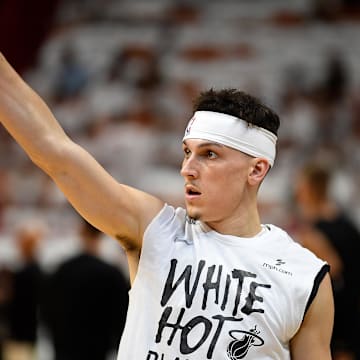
233,132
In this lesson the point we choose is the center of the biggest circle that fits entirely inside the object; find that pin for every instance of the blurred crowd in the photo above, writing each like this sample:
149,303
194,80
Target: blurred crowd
120,77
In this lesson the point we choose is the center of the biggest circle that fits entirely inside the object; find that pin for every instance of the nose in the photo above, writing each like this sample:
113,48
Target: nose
189,168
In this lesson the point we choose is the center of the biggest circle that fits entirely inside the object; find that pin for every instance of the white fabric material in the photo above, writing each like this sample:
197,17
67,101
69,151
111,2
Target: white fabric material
199,294
233,132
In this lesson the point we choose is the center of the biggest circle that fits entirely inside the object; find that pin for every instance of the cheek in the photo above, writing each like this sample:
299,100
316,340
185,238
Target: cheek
227,188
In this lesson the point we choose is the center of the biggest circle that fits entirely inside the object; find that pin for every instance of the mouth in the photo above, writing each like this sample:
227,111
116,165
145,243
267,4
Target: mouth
191,191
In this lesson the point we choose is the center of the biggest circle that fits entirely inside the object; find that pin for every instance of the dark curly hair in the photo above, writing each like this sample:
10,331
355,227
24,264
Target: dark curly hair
239,104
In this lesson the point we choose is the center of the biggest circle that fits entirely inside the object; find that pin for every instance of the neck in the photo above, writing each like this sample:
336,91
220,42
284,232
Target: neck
247,224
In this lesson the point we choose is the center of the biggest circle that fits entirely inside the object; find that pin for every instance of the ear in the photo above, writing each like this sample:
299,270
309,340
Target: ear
257,170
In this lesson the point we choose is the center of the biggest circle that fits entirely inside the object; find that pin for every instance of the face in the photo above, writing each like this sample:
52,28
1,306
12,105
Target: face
216,179
305,197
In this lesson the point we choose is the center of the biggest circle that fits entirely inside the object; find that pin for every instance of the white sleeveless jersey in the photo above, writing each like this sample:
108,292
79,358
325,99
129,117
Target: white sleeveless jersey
202,295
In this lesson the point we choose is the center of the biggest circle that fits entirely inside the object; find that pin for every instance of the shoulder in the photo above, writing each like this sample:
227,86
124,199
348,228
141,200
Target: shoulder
168,219
162,236
307,269
282,241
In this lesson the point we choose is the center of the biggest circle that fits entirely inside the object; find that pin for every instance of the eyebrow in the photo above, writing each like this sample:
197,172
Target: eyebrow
209,143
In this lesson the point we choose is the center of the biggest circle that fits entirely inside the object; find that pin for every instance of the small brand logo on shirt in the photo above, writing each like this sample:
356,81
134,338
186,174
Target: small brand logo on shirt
279,262
190,220
276,267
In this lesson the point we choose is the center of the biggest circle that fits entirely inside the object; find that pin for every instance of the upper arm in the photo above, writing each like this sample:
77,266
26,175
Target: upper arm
312,341
113,208
116,209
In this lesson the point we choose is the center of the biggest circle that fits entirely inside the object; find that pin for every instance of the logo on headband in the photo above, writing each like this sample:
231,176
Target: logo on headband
188,128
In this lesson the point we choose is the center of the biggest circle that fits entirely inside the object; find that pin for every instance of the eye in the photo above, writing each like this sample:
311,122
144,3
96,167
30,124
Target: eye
211,155
186,152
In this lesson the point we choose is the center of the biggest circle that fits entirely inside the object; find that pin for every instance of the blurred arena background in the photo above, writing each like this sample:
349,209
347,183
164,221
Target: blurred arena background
120,77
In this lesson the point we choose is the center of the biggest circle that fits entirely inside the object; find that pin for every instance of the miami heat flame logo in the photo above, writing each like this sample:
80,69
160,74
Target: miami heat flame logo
238,348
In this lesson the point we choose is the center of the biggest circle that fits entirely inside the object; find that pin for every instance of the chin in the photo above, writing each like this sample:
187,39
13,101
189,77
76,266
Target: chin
193,213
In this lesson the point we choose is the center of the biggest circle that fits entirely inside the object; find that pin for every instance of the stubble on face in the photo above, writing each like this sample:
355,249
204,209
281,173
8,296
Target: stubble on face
193,214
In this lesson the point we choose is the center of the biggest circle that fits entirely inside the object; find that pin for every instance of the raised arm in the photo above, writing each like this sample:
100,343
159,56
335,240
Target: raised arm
117,210
312,342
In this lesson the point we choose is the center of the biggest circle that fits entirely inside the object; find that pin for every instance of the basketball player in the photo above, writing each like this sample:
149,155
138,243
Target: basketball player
208,282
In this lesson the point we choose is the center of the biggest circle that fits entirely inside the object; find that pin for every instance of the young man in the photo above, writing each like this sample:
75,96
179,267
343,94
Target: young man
210,282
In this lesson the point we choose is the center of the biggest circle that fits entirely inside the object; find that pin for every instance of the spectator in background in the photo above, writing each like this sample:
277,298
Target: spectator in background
330,234
25,294
86,303
336,77
72,77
